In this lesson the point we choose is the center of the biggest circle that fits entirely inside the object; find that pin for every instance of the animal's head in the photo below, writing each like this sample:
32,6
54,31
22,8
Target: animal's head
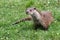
31,10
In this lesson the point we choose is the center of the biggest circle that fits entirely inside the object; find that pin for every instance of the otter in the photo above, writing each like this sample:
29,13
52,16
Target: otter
40,18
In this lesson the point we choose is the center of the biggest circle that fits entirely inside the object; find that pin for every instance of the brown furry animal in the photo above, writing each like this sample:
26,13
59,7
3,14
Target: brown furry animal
40,18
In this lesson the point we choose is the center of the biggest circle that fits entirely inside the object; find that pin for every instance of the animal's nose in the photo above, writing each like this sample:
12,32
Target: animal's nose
26,12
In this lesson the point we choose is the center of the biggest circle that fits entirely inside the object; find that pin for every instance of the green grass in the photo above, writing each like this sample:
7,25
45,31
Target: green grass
12,10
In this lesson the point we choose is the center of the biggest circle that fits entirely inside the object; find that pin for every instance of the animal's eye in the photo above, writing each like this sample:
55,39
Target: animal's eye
30,10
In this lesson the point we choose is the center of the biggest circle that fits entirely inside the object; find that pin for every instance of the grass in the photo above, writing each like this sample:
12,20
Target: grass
12,10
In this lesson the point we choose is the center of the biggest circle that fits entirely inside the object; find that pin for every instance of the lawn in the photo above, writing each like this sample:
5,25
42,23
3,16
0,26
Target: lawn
13,10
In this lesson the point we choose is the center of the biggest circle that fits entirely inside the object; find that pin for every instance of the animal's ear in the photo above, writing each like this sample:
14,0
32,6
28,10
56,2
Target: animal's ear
34,8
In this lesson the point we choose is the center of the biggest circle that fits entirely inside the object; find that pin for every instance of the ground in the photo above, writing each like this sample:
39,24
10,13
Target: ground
13,10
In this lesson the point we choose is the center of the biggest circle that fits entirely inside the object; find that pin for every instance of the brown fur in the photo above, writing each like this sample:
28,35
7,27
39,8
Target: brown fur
40,18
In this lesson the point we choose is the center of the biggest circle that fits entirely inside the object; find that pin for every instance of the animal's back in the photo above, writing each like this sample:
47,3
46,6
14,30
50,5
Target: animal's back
46,18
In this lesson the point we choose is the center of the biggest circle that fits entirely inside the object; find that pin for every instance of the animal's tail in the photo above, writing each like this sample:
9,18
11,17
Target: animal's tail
21,20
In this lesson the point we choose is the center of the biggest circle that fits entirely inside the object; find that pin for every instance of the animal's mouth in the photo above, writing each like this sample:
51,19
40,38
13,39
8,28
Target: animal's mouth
27,12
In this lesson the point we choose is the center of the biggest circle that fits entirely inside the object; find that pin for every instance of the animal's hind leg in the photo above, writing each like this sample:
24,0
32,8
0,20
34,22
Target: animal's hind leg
44,28
36,26
39,26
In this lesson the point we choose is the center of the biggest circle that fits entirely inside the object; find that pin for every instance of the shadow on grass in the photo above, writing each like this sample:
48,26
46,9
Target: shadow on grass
30,28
